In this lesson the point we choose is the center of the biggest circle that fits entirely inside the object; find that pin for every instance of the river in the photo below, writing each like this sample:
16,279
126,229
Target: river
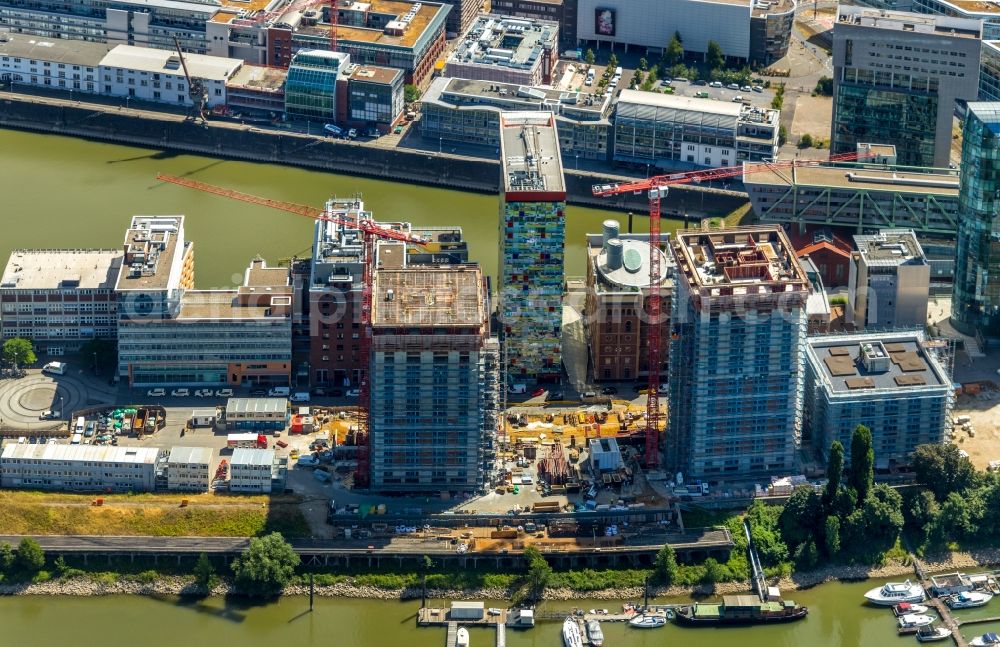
837,617
68,192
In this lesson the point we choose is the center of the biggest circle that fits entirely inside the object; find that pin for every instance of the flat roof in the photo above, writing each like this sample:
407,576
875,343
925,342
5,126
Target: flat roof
855,176
259,275
375,74
628,269
246,456
529,147
502,41
166,61
973,6
420,23
675,102
837,361
259,77
428,295
56,50
476,95
150,245
220,304
190,455
742,259
904,21
250,6
772,7
890,247
80,453
256,405
62,269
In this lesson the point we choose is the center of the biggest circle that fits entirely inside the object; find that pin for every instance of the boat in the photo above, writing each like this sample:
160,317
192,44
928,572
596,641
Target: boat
915,621
903,608
571,633
740,610
968,600
462,637
932,634
594,633
647,621
895,592
986,640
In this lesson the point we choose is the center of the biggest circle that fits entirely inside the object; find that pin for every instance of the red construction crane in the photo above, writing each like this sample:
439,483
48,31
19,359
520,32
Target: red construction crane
334,21
371,231
657,188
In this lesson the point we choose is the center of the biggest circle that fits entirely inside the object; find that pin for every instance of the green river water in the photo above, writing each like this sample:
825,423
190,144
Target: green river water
66,192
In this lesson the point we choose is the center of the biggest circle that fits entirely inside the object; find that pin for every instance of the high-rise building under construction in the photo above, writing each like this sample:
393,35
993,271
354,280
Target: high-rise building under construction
532,236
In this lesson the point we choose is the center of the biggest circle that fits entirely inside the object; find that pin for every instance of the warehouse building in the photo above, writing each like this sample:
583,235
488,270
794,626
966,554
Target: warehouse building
747,30
617,292
79,468
434,378
460,110
258,414
532,242
256,471
59,298
189,469
893,383
33,60
508,50
889,281
660,130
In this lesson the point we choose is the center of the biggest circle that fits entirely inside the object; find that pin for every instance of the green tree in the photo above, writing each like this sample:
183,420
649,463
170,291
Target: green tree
714,571
921,512
674,53
801,517
955,521
862,472
990,523
539,571
589,57
805,141
643,64
666,564
19,352
831,536
411,93
6,558
782,135
844,502
883,515
834,472
30,557
714,57
807,555
613,62
824,87
267,565
204,573
942,469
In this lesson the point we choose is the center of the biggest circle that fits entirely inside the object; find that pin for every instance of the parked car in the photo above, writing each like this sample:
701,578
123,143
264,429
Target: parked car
745,88
180,393
224,393
156,393
537,392
715,84
588,394
757,88
609,390
319,391
307,461
49,414
733,86
258,393
398,129
701,82
204,393
554,395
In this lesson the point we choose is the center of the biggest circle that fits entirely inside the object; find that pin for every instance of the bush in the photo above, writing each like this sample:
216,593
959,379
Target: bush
30,557
805,141
204,573
266,567
824,87
782,135
666,564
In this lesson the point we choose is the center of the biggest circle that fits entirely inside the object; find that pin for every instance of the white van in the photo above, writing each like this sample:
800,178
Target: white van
279,392
81,424
301,396
590,77
56,368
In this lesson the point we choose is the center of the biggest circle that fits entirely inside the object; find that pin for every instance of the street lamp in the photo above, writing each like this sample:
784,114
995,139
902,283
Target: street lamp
578,161
95,362
440,142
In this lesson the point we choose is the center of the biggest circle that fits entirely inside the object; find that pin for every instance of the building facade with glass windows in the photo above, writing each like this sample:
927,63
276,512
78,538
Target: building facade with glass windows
989,71
375,96
311,88
976,298
897,76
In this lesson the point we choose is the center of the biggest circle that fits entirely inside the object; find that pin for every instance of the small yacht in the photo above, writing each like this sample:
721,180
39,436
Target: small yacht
968,600
643,621
915,621
594,633
932,634
893,593
986,640
571,633
903,608
462,637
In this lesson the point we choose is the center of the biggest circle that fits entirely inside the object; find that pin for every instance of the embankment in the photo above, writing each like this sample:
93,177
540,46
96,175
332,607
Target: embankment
168,131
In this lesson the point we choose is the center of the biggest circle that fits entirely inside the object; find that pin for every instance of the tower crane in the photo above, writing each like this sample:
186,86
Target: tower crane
196,89
656,188
371,231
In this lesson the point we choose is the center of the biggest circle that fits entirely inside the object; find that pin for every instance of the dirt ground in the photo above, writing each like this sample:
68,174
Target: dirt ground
813,115
984,411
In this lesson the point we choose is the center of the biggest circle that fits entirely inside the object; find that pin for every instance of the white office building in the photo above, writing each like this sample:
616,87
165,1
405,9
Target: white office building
157,75
189,469
253,470
72,468
50,62
889,281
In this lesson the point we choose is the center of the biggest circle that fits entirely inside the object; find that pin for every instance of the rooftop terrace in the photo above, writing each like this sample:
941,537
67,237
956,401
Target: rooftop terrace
428,296
742,260
856,363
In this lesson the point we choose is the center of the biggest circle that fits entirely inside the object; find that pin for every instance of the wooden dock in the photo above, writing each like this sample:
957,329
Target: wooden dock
452,639
436,617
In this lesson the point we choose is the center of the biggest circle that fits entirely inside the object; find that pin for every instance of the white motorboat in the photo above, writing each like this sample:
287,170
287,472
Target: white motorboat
986,640
571,633
463,637
895,592
915,621
903,608
594,633
644,621
933,634
969,599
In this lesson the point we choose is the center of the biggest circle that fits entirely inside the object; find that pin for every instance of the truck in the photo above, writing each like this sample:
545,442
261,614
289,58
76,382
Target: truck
333,129
249,440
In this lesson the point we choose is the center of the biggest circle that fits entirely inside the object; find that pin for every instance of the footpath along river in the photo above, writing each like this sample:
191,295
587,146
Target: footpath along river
837,617
68,192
